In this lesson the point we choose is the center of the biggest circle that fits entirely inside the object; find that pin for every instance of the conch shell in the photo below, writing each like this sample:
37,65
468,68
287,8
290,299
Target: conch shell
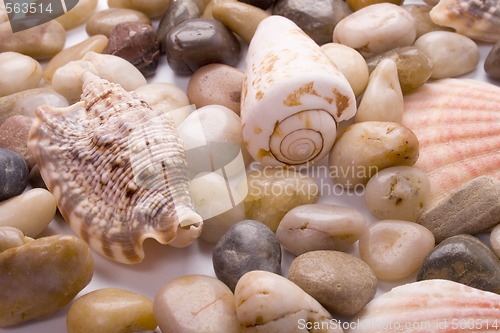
117,169
430,306
457,123
477,19
293,96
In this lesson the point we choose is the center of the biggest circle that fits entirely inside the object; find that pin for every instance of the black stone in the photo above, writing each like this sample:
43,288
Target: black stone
13,174
464,259
249,245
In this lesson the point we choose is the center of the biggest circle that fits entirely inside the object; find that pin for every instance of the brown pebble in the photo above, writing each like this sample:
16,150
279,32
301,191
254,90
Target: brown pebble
216,84
492,62
14,136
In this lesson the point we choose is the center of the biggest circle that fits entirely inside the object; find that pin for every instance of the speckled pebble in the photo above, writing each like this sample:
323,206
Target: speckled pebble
247,246
14,136
464,259
216,84
395,249
13,174
342,283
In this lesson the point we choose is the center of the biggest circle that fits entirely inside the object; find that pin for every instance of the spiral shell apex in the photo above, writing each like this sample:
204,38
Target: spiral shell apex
292,97
117,169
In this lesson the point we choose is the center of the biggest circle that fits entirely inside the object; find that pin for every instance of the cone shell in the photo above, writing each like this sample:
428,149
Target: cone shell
477,19
430,306
457,123
117,169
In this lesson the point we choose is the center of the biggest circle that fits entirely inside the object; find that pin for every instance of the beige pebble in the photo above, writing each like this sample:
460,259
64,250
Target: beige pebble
111,310
195,303
76,52
78,14
376,29
364,149
452,54
395,249
320,227
30,211
208,11
495,240
103,21
351,63
19,73
25,102
342,283
383,97
152,8
14,136
423,21
267,302
398,193
216,84
10,237
41,42
273,192
42,276
68,79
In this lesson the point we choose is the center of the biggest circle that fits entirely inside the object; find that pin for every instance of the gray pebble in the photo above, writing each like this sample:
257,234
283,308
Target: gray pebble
492,62
249,245
13,174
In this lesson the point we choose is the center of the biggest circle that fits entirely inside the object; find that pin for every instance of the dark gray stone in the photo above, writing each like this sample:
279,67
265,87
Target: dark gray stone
249,245
464,259
13,174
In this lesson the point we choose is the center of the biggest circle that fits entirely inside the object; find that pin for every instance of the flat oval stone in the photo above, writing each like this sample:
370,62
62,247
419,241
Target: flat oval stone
464,259
495,240
247,246
342,283
13,174
30,211
451,54
137,43
19,73
103,21
317,18
272,192
395,249
320,227
14,136
376,29
216,84
492,62
195,303
198,42
448,217
42,276
399,193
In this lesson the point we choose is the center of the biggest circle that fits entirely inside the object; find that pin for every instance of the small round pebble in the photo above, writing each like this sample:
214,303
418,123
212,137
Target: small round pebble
342,283
195,303
13,174
395,249
464,259
398,193
451,54
137,43
216,84
247,246
19,73
492,62
495,240
320,227
14,136
198,42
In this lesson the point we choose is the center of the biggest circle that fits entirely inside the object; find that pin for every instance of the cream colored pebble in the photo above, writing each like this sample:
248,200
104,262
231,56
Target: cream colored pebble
19,73
152,8
78,14
10,237
103,21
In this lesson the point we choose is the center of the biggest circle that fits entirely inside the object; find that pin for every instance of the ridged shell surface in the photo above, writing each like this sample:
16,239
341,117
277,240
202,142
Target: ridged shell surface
117,169
477,19
457,123
430,306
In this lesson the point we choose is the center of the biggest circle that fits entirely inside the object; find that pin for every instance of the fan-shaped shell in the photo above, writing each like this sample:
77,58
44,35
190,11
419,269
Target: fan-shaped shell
477,19
292,96
117,169
457,123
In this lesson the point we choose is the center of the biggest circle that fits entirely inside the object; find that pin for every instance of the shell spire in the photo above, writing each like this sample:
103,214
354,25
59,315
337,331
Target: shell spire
117,169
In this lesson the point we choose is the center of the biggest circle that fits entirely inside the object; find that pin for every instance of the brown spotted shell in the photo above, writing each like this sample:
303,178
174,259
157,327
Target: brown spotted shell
477,19
117,169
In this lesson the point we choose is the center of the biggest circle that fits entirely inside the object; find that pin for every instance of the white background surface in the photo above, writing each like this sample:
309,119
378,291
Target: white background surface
163,263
